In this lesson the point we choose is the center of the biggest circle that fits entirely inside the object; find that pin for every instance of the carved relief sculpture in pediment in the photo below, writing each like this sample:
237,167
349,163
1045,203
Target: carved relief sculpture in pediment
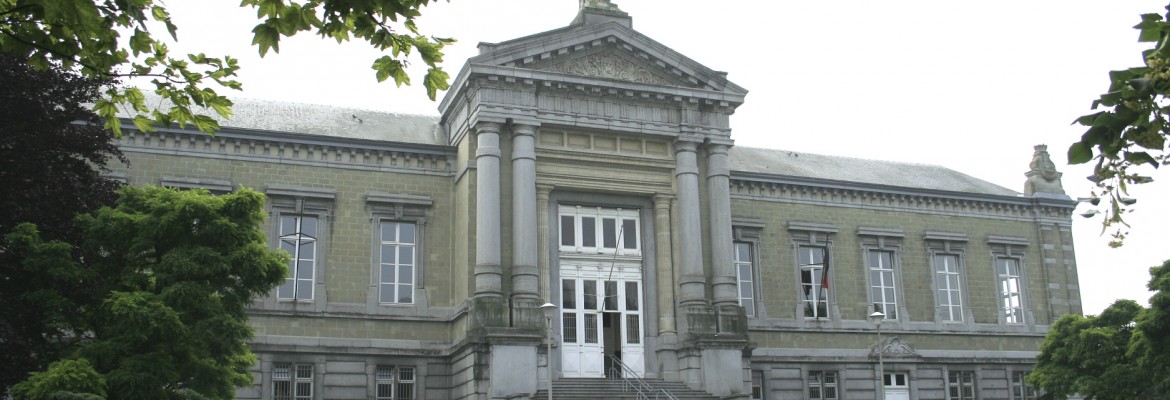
895,348
610,66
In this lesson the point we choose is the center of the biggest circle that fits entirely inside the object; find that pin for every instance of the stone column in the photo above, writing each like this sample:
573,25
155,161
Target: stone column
664,264
488,279
542,243
719,218
525,281
692,282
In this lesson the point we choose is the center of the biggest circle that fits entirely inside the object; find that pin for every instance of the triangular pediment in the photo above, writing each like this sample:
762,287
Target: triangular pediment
607,51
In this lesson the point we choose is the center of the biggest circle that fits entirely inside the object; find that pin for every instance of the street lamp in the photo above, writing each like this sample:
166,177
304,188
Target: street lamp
550,311
877,318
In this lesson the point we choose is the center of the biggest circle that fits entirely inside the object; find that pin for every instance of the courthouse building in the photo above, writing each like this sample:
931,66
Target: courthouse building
594,168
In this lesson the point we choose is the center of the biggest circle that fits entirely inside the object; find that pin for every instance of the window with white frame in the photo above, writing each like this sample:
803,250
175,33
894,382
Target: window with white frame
394,383
813,262
298,237
961,385
757,385
397,252
599,230
822,385
883,288
744,277
292,381
1020,388
948,281
1011,302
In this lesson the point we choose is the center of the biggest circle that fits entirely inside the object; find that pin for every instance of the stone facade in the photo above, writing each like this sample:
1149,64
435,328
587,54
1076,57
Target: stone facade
594,168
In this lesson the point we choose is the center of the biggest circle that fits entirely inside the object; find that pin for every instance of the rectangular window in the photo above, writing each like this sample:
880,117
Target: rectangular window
744,274
882,285
394,383
822,385
814,284
398,243
961,385
633,328
292,381
947,280
593,230
757,385
1011,298
1020,388
298,237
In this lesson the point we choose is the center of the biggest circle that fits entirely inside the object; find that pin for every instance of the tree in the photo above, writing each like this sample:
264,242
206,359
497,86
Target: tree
1124,353
1131,131
168,275
108,39
51,169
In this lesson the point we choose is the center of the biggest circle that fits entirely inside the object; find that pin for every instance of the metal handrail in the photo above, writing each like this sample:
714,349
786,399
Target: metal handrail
639,385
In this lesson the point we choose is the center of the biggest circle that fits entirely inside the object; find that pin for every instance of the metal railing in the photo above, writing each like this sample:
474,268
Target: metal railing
631,381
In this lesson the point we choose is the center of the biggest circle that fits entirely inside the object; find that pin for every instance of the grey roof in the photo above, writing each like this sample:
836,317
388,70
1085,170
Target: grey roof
314,119
848,169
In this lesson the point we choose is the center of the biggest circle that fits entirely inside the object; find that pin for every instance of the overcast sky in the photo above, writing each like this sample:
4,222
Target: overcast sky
967,85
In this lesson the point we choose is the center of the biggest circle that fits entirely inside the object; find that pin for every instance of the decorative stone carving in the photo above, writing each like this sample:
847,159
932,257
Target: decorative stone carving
1042,176
599,4
895,348
611,66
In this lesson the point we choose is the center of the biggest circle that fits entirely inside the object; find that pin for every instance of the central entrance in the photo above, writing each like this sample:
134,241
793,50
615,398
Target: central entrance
601,292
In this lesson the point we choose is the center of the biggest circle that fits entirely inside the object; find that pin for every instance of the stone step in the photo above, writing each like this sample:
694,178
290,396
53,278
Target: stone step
604,388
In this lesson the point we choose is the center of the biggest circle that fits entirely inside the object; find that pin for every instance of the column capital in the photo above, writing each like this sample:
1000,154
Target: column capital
544,189
524,130
683,145
662,200
487,127
714,148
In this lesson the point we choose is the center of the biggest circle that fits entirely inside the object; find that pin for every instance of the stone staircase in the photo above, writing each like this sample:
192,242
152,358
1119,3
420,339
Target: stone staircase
597,389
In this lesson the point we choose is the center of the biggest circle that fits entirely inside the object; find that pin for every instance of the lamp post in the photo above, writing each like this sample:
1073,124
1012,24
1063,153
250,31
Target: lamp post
550,311
877,318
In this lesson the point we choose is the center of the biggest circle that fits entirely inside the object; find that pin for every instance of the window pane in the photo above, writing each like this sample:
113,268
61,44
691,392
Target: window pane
406,233
305,269
609,233
405,274
389,231
588,232
406,255
611,296
308,250
567,231
304,290
387,273
405,294
386,293
286,290
632,296
629,234
590,328
569,327
633,329
590,294
568,294
288,225
309,226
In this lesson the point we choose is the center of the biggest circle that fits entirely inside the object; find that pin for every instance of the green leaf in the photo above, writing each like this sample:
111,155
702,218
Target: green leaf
1140,157
143,123
1079,153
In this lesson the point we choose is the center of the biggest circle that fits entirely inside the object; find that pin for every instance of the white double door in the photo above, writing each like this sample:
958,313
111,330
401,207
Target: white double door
601,319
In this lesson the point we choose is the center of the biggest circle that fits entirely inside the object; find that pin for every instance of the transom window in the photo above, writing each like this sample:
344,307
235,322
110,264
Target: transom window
814,281
882,286
397,259
961,385
947,280
394,383
298,237
1011,298
292,381
599,230
822,385
744,275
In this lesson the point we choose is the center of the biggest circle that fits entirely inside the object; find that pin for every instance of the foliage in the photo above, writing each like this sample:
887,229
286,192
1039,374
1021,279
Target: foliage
170,273
51,169
1124,353
114,38
1131,131
74,379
